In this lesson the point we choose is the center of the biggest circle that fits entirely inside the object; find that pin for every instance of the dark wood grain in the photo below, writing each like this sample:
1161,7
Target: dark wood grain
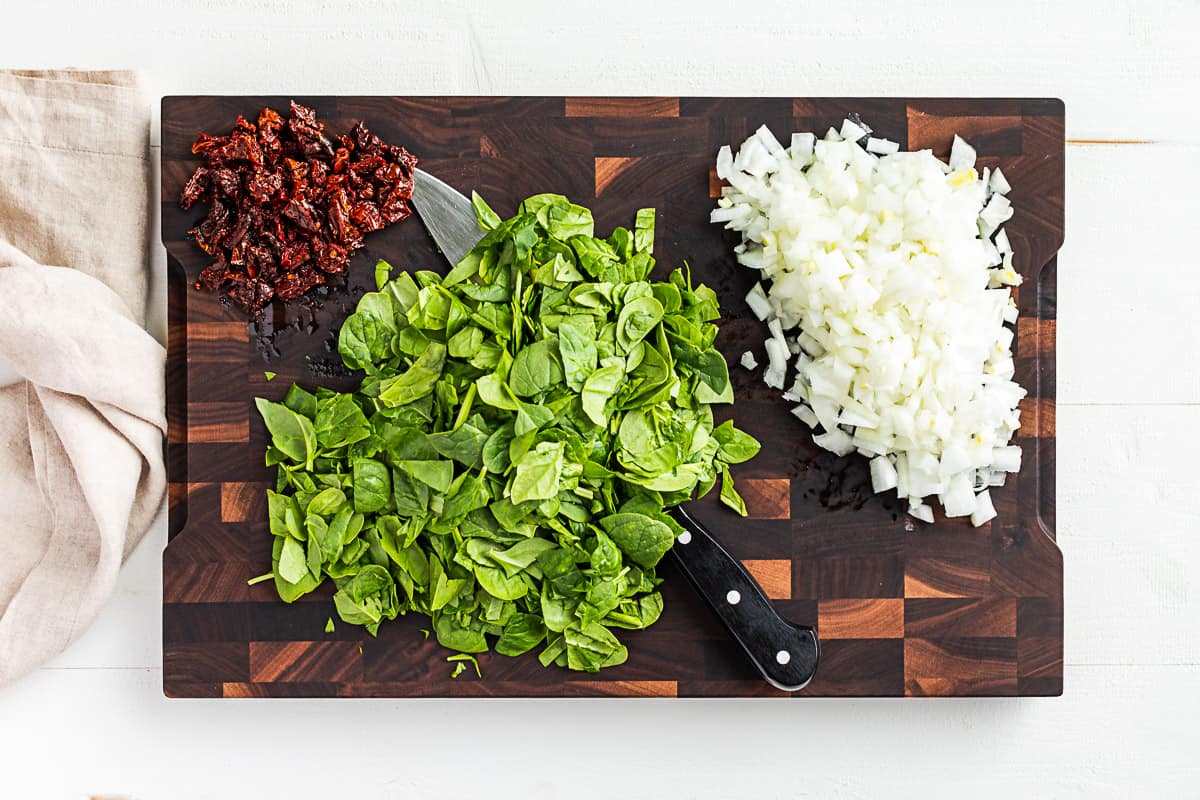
902,609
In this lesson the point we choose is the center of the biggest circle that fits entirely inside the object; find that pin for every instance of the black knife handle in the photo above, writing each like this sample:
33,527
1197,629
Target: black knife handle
785,653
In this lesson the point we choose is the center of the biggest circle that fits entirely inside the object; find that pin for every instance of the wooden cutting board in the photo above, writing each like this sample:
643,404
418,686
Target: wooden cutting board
901,609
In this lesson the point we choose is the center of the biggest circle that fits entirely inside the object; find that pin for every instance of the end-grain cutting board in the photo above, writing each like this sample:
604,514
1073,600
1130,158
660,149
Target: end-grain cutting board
901,609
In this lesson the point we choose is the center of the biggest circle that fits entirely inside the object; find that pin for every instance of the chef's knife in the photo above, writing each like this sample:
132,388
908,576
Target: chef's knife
785,653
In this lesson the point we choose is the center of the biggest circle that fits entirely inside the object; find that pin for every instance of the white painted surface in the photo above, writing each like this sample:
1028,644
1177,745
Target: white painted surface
94,722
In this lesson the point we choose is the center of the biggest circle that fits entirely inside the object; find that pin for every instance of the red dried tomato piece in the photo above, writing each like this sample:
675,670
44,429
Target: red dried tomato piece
395,207
366,216
263,187
195,187
293,255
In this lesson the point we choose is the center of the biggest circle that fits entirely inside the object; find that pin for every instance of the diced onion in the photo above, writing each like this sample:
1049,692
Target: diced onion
996,212
777,358
883,474
984,510
998,183
962,155
1007,459
1010,313
920,511
835,441
724,163
887,306
802,146
749,361
883,147
806,416
959,498
1003,246
757,300
851,131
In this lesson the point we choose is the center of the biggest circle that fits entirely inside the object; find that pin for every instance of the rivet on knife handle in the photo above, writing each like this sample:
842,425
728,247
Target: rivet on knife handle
785,653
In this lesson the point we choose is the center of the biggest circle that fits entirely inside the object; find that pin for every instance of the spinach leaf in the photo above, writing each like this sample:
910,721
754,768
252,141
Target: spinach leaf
363,341
383,271
417,381
454,635
292,565
500,585
710,367
331,538
637,319
460,667
495,449
555,652
668,296
559,568
368,598
437,475
279,508
442,588
729,495
522,633
577,345
592,647
327,502
530,418
297,565
468,493
606,557
313,557
464,445
734,446
372,485
402,290
598,388
596,256
561,218
466,342
432,311
495,392
644,540
302,402
521,555
557,611
637,615
464,269
536,368
488,219
291,433
378,306
643,234
538,473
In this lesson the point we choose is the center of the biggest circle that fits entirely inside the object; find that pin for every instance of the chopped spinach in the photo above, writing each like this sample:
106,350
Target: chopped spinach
521,427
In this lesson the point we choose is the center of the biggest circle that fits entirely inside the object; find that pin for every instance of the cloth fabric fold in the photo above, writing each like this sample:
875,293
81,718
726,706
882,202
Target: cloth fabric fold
82,415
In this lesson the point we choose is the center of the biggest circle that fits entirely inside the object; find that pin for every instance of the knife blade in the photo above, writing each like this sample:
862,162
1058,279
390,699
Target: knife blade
447,214
785,653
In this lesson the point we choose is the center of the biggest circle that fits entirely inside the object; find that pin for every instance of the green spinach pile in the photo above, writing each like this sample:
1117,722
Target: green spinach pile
521,426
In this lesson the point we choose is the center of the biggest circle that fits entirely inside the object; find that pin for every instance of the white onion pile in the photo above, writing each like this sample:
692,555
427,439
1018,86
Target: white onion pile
888,299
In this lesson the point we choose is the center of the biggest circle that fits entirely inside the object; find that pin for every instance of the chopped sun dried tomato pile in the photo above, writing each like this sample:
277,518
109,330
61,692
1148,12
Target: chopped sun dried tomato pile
289,206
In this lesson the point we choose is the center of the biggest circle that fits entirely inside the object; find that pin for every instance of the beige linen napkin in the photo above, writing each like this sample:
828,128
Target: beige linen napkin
82,415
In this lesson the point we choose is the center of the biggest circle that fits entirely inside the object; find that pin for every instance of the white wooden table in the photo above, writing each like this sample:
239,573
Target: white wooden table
94,721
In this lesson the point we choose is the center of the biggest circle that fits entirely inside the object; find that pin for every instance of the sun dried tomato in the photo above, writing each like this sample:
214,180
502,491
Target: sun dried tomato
366,216
288,204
